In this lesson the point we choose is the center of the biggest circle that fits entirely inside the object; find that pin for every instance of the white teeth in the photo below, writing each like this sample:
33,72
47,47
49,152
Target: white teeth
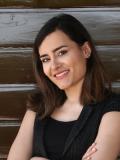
61,74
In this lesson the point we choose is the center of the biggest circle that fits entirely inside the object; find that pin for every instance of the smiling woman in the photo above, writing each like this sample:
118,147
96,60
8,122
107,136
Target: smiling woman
71,114
64,65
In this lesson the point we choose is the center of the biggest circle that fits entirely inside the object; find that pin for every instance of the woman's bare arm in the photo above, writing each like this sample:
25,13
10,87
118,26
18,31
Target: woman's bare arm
108,138
21,148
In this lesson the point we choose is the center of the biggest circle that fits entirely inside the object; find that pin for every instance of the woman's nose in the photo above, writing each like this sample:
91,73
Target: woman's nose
55,64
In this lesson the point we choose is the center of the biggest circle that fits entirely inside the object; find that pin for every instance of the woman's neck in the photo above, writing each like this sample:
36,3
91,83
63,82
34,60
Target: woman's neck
73,93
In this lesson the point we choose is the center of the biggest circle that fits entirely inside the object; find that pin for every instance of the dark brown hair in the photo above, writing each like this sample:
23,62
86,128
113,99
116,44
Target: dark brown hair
48,95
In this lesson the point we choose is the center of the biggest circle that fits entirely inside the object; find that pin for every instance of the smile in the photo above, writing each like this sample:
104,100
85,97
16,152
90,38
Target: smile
61,75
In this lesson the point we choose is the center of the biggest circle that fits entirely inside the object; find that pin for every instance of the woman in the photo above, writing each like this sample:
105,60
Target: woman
70,116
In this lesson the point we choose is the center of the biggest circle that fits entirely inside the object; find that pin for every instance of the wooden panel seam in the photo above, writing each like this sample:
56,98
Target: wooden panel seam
16,87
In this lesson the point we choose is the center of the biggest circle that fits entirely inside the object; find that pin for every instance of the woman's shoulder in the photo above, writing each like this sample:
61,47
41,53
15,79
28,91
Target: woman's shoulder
28,119
30,114
111,103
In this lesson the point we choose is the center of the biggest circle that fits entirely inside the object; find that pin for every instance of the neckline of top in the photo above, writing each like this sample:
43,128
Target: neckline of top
60,121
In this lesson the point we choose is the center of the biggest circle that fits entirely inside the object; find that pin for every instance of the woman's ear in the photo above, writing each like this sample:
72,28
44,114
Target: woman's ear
86,49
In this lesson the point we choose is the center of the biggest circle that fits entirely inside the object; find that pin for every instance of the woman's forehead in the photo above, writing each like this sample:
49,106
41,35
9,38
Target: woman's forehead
55,40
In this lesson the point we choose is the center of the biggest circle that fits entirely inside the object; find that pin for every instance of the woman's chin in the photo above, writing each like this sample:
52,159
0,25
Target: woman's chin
63,87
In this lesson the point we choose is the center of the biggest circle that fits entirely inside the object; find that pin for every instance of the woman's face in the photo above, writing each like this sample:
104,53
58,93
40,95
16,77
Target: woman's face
63,60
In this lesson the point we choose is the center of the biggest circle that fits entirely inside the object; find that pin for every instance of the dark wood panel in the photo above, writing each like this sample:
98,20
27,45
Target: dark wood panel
57,3
110,57
13,100
74,3
20,26
7,136
8,131
16,3
16,63
13,104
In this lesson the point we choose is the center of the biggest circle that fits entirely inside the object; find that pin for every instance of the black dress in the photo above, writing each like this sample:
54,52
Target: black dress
57,140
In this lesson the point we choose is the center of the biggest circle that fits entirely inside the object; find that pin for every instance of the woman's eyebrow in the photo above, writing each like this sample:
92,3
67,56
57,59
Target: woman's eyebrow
54,50
44,55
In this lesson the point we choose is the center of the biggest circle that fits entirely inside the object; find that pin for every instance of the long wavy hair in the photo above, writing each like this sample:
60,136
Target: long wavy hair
96,82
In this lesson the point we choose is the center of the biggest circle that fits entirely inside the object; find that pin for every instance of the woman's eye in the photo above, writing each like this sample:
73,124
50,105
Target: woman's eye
62,52
44,60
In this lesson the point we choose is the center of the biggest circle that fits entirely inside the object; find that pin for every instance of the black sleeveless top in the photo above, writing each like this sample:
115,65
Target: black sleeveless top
69,141
56,133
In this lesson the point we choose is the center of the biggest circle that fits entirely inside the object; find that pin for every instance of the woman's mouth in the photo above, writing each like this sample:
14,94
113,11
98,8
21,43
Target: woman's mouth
61,75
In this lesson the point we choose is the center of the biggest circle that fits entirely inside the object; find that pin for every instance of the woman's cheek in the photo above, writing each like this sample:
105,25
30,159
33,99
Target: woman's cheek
45,69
